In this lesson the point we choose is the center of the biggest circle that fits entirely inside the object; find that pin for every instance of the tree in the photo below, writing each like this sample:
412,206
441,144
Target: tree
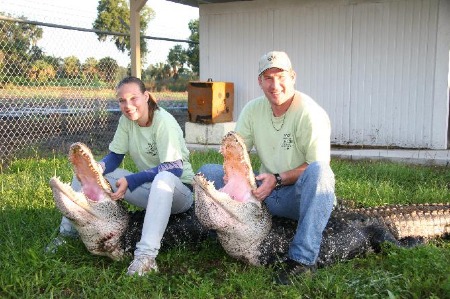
56,62
40,63
159,71
36,53
114,15
193,52
176,58
107,69
89,69
41,71
71,67
16,42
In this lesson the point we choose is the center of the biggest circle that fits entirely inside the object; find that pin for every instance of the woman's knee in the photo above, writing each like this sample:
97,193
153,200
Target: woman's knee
165,176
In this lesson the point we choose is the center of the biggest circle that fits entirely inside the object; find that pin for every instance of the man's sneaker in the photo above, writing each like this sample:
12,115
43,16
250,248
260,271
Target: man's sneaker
290,270
142,264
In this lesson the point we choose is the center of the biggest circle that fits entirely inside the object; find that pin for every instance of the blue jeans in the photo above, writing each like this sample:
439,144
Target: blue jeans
309,201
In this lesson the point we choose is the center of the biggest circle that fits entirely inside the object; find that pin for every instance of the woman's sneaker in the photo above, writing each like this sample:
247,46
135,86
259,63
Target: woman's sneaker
142,264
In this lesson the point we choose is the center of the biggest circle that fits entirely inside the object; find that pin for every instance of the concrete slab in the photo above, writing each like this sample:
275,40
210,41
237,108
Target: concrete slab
207,134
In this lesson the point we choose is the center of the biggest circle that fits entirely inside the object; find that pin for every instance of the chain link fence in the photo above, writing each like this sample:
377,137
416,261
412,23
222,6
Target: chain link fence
48,102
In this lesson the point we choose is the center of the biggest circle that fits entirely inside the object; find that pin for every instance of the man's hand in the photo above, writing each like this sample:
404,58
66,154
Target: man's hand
122,186
268,183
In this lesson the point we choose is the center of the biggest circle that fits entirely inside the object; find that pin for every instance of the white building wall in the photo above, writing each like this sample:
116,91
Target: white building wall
380,68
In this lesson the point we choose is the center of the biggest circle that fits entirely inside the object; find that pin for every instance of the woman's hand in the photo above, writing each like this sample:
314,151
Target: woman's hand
122,186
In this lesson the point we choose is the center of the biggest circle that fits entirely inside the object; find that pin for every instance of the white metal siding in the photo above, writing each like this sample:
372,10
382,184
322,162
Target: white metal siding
380,69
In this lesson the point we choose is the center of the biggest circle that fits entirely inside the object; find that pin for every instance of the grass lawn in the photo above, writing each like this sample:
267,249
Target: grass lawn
29,220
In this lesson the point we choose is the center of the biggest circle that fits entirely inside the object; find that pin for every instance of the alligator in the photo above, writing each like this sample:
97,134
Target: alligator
242,224
247,232
105,226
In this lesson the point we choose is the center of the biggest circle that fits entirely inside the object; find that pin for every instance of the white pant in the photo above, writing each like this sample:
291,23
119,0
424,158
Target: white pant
166,195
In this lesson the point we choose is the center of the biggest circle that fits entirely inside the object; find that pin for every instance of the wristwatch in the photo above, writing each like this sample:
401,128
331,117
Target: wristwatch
278,178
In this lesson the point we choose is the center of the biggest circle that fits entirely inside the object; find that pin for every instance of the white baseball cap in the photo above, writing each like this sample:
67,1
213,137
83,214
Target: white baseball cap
274,59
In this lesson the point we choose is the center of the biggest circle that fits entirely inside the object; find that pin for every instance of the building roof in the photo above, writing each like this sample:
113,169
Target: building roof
196,3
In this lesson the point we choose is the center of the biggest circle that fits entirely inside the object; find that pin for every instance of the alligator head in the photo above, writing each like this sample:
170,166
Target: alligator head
247,232
99,220
230,210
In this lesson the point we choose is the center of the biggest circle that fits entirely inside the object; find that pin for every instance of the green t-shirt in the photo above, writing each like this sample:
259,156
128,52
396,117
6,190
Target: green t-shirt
283,143
150,146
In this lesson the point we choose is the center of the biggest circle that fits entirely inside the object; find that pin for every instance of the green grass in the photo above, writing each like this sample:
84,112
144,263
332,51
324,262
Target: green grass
28,221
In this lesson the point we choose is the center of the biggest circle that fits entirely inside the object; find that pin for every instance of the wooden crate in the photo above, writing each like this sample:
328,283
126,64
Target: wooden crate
210,102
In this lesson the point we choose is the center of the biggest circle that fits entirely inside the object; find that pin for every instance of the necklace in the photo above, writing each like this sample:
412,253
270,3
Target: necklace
284,115
282,124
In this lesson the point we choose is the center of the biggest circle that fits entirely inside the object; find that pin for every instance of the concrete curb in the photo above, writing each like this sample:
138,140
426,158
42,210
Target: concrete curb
418,157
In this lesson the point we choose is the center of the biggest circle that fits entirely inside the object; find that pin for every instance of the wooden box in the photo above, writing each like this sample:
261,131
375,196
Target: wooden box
210,102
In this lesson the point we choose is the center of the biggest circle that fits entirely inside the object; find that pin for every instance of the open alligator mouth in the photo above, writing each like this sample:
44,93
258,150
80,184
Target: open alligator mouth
94,187
240,179
88,172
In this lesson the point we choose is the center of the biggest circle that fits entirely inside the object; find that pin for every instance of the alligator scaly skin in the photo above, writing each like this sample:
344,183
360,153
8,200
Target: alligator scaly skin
415,220
244,228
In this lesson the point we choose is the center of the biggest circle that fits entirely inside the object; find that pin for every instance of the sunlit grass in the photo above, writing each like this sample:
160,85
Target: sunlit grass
379,183
68,92
29,219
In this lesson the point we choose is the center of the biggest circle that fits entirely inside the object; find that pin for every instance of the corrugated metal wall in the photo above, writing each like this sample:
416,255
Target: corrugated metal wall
372,66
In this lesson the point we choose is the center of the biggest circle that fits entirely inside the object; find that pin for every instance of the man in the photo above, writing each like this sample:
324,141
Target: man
291,134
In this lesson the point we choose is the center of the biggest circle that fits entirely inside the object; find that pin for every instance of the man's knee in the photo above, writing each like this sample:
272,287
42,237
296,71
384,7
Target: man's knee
318,171
210,170
318,175
319,167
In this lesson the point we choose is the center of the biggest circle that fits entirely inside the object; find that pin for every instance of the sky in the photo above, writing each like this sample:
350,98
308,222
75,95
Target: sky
171,21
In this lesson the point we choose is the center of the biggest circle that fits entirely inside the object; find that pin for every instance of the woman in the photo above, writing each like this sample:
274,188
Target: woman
163,185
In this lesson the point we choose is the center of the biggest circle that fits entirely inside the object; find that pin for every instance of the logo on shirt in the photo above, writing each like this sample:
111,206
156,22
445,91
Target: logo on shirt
151,149
288,141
